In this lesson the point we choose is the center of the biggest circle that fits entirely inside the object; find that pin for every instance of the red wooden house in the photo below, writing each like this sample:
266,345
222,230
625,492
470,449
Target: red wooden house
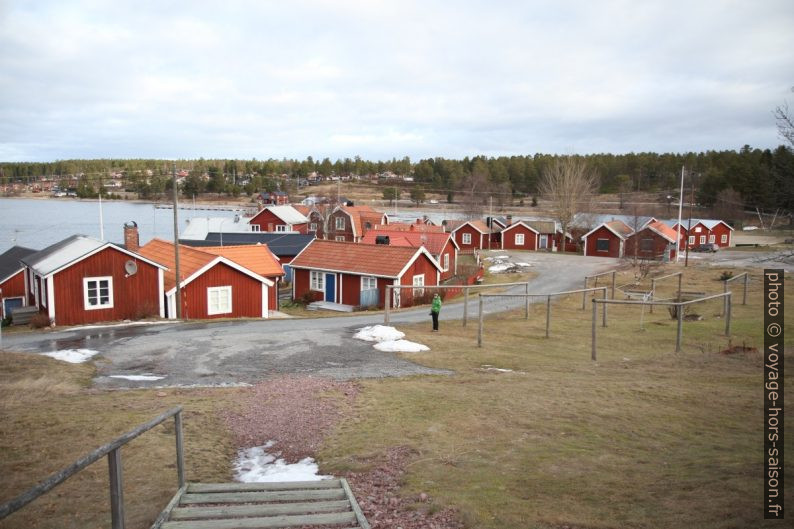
357,274
12,280
704,231
317,217
84,280
519,236
350,223
442,246
280,219
655,240
213,285
472,235
607,239
274,198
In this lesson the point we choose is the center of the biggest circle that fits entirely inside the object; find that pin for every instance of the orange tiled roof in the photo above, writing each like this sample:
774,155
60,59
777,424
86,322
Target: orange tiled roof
364,259
402,226
664,230
477,224
303,210
361,214
190,260
255,257
621,227
434,242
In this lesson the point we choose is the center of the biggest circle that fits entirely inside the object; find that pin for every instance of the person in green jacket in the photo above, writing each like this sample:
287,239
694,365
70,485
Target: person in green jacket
434,310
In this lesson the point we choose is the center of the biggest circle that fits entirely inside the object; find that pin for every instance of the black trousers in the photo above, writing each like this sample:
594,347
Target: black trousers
435,320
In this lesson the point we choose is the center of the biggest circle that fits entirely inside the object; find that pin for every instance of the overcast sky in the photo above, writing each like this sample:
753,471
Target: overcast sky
259,79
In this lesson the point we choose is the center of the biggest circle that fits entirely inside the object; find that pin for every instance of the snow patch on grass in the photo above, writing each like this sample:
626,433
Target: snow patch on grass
401,346
144,377
379,333
73,356
255,465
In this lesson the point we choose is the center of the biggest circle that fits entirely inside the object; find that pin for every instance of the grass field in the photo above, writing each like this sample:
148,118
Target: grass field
643,438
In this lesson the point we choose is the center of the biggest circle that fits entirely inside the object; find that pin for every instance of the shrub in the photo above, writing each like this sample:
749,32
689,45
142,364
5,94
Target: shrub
40,321
726,276
145,310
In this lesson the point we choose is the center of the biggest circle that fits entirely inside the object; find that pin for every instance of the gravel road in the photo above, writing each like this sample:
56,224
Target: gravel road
244,352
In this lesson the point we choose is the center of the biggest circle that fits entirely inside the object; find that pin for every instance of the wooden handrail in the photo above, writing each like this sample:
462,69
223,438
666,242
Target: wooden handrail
112,450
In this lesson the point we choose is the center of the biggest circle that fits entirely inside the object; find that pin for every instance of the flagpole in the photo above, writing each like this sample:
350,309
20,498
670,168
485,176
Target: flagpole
680,207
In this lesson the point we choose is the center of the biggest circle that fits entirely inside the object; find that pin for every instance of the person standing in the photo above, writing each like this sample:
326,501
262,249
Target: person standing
434,310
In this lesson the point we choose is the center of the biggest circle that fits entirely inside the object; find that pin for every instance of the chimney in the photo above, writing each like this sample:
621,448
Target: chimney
509,220
382,239
131,240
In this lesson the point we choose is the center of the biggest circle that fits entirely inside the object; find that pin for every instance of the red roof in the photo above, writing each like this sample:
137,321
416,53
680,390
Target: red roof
362,259
620,227
664,230
191,260
256,257
402,226
434,242
476,224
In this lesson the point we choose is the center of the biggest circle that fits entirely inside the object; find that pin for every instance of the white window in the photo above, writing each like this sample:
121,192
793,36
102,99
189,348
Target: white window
340,238
712,237
702,239
446,262
519,239
419,281
219,300
602,245
282,228
317,280
313,226
369,283
697,229
467,238
646,245
691,240
98,292
724,238
339,222
255,227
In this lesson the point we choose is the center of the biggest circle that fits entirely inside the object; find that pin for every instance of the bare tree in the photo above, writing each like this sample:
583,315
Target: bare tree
785,122
474,187
570,185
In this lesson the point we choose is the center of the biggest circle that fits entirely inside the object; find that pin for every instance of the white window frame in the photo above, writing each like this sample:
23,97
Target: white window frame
340,238
317,280
702,239
712,237
466,239
697,229
419,281
313,226
339,223
281,228
446,262
227,291
255,227
369,283
724,238
691,240
519,239
599,240
97,280
646,241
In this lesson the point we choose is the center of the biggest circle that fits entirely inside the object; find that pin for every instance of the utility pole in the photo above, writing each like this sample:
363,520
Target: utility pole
680,206
178,303
689,224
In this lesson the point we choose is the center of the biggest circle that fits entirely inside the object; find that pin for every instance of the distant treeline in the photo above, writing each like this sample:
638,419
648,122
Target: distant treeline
748,177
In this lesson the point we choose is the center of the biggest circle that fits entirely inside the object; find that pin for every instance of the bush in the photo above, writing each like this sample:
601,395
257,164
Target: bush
6,321
726,276
145,310
39,321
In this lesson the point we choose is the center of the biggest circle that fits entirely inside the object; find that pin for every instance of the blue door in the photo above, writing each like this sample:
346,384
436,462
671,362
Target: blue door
330,287
9,304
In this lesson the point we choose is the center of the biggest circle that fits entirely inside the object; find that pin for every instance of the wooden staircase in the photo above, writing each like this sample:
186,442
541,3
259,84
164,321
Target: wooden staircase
327,503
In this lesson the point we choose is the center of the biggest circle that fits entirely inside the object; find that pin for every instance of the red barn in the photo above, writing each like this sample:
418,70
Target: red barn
213,286
280,219
519,236
350,223
12,280
441,245
472,235
704,231
357,274
607,239
654,241
84,280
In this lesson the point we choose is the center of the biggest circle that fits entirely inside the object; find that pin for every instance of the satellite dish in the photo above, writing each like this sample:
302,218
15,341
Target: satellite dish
131,267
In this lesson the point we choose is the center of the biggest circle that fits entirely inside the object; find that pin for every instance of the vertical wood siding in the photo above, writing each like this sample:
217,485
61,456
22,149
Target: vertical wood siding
246,294
604,233
14,286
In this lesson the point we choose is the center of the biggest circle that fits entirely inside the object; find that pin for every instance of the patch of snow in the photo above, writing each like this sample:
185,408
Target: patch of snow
400,346
123,324
145,377
488,367
499,268
379,333
523,264
255,465
73,356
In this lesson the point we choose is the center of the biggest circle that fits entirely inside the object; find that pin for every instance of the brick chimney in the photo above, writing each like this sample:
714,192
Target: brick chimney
131,239
509,220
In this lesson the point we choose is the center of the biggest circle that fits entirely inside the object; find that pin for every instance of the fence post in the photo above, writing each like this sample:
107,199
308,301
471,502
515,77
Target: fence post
479,326
680,329
526,301
728,316
653,293
744,295
116,490
593,340
680,276
465,304
387,303
548,314
724,299
584,294
604,310
613,284
180,458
